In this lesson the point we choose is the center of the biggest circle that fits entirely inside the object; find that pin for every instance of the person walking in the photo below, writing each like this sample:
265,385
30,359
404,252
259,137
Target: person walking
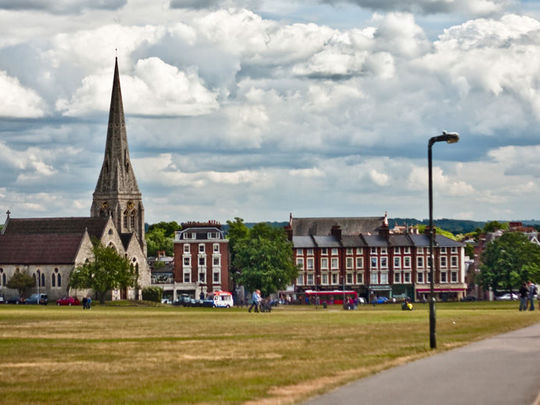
523,295
255,300
532,293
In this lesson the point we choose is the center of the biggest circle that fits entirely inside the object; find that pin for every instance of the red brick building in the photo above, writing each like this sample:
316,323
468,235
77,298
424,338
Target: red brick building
201,259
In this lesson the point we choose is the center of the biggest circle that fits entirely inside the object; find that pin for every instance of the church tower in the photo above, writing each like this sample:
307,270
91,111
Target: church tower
117,193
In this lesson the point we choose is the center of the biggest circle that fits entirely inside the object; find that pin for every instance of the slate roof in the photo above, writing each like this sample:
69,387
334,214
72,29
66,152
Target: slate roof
26,226
45,248
375,241
303,242
440,241
400,240
323,226
326,241
352,241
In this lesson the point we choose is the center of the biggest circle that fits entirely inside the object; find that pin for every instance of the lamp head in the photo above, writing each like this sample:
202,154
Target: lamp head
450,137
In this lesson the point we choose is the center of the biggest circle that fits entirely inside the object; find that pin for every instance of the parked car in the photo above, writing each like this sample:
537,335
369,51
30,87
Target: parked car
15,300
35,299
68,301
381,300
166,301
2,299
469,298
507,297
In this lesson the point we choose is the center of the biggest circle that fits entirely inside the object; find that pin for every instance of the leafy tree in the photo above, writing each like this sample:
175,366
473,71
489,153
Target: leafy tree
493,226
263,257
20,281
152,294
469,250
168,227
158,240
108,270
510,260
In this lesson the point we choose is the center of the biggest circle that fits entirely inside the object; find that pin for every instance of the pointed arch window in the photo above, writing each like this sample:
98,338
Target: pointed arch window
132,219
126,216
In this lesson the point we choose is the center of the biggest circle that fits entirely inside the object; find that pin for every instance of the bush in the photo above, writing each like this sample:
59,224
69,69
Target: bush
152,294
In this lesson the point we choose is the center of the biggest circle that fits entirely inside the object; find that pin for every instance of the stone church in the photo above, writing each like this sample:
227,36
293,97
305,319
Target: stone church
50,248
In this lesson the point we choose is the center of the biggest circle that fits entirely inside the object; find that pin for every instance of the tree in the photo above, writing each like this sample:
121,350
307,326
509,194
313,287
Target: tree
493,226
510,260
263,257
107,271
20,281
157,240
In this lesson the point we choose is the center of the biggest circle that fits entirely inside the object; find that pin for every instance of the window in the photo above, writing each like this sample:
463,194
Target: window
349,262
407,250
334,252
43,279
384,262
407,262
53,280
384,277
2,278
397,262
201,248
187,277
443,250
444,262
420,262
444,277
396,250
324,263
335,263
454,261
310,279
349,251
374,278
373,251
300,262
420,277
349,278
216,261
186,248
201,277
453,250
324,278
212,235
407,277
125,219
59,280
429,277
217,277
202,261
360,277
335,278
310,252
397,278
299,252
132,220
384,251
310,263
373,263
358,251
420,250
454,278
300,279
359,262
187,261
215,247
324,251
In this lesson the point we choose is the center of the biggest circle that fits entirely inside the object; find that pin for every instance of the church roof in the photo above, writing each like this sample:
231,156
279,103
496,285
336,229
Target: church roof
323,226
44,248
69,225
116,172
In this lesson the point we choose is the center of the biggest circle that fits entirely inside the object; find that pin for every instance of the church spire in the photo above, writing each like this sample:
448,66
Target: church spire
117,193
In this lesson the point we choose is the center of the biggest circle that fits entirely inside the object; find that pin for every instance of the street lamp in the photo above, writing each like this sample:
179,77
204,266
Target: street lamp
448,137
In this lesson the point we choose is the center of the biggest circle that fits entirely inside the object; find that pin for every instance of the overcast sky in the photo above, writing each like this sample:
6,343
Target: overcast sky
258,108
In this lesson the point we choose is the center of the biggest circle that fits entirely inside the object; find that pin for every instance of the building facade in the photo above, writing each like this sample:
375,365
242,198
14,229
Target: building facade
362,254
201,259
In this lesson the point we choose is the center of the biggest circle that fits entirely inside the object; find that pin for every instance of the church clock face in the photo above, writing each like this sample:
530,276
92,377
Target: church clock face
130,205
104,205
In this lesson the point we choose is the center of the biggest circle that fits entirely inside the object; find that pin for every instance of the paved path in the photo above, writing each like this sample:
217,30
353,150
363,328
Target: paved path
504,369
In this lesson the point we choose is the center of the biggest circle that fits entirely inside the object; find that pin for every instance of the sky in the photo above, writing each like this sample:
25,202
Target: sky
261,108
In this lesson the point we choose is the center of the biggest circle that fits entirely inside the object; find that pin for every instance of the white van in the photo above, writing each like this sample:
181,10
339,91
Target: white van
223,299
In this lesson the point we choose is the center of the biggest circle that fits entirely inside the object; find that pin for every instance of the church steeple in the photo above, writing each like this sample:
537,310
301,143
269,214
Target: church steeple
117,193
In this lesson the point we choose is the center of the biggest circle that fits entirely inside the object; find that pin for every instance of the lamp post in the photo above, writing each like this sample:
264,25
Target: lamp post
448,137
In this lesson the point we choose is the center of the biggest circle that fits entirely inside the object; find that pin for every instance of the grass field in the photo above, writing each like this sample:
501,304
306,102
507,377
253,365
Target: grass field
120,354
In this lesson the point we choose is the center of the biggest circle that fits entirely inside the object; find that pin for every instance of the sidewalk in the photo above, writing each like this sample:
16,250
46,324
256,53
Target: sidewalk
504,369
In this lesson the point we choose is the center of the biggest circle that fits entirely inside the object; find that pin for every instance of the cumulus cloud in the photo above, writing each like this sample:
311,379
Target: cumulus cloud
61,6
19,101
155,88
470,7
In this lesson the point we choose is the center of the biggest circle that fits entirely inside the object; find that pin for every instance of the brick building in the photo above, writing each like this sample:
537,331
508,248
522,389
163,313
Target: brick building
201,259
362,254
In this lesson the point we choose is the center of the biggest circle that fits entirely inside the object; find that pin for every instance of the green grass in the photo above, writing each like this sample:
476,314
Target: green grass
146,355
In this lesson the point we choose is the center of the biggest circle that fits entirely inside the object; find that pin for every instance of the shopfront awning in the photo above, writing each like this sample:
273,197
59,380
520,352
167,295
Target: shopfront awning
380,288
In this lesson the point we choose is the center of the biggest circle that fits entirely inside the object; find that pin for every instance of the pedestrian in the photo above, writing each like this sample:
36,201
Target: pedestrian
255,301
523,295
532,293
84,303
